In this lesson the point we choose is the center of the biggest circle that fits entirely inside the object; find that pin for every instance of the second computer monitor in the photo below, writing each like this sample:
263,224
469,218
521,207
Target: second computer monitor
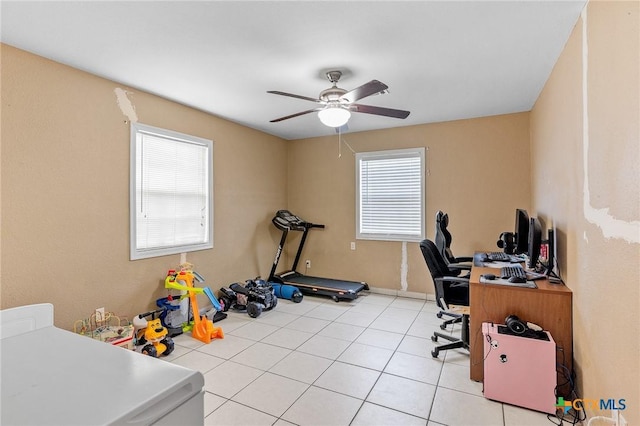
535,241
522,232
551,247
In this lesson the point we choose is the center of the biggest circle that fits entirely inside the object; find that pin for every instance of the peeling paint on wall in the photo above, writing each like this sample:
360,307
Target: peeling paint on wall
404,268
125,105
609,225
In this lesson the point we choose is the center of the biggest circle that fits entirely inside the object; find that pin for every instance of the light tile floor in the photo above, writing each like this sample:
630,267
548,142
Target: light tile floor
364,362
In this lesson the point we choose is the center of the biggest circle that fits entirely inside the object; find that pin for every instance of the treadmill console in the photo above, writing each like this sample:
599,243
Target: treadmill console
284,219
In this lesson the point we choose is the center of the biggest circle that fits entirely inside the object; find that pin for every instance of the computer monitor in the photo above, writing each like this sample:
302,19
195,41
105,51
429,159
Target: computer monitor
535,241
551,246
522,232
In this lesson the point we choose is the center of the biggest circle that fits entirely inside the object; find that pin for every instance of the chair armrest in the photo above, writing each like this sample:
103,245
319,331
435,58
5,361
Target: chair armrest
463,266
459,280
456,281
463,259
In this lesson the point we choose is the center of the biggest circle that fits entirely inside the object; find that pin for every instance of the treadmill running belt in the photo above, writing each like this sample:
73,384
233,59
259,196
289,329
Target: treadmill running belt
323,282
326,286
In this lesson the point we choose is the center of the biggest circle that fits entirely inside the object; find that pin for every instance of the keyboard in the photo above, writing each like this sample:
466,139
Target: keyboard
498,256
513,271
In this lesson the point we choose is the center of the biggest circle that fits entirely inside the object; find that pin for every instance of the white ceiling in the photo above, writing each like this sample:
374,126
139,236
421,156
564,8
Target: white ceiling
442,61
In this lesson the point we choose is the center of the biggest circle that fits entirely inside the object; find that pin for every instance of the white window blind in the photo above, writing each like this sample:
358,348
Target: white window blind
390,195
171,192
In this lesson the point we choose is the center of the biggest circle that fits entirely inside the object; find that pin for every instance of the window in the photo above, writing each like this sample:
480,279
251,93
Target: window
171,192
390,195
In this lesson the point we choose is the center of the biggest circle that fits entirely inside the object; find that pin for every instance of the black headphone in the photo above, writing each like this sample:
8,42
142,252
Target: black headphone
506,242
517,326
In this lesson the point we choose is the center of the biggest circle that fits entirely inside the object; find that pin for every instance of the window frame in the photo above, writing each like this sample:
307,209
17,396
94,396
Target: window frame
137,253
383,155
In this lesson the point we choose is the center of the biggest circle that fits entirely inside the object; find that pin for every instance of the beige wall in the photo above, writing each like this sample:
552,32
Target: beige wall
586,182
65,167
65,193
471,165
65,173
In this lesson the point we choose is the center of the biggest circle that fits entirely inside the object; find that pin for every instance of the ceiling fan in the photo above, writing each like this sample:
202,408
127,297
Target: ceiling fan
336,104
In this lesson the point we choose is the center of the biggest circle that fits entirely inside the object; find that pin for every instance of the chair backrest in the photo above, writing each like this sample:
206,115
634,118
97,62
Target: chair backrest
445,294
443,236
435,263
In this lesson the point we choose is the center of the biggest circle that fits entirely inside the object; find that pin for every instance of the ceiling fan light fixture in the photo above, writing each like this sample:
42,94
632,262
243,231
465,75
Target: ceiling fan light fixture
334,116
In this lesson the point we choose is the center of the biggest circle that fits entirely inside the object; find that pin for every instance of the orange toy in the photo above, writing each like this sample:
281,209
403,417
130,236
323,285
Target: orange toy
203,328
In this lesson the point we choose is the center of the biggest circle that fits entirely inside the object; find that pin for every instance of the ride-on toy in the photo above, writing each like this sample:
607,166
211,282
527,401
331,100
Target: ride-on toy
203,329
153,335
253,297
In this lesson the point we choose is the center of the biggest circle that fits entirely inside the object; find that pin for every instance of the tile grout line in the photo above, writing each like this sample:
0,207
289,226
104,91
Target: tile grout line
380,372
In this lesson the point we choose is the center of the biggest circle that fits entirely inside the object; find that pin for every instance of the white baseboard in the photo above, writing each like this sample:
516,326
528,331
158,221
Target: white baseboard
385,291
402,293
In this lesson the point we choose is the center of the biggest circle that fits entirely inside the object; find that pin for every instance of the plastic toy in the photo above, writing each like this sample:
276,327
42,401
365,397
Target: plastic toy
171,317
286,291
203,329
110,328
253,297
170,282
153,335
176,308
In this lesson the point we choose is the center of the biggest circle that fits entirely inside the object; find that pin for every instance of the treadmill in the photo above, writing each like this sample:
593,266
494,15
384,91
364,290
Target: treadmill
285,221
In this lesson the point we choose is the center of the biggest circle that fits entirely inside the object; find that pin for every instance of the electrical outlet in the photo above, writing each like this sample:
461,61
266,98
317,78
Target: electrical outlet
308,263
100,314
353,245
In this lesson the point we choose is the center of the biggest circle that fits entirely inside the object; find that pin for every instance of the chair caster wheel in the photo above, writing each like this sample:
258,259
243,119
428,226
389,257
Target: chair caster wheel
434,338
439,314
443,327
434,353
335,299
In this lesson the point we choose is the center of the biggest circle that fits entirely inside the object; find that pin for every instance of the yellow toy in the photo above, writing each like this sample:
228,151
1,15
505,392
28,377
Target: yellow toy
153,335
158,341
203,329
170,282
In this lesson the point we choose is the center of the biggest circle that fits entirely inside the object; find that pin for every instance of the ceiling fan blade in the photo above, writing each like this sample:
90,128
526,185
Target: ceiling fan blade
291,95
297,114
387,112
367,89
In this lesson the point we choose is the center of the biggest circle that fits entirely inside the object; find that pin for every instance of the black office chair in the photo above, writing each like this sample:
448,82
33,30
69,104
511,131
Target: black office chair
450,289
443,243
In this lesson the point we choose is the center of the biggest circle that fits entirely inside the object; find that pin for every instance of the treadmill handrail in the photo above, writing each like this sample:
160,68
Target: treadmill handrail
285,220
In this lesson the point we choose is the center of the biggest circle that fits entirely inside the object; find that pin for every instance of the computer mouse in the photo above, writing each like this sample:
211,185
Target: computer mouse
517,280
489,277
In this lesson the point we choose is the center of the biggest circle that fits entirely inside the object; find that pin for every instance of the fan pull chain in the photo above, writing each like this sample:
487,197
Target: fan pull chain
340,142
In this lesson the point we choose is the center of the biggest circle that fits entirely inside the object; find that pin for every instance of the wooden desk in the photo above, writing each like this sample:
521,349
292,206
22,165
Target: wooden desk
549,306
